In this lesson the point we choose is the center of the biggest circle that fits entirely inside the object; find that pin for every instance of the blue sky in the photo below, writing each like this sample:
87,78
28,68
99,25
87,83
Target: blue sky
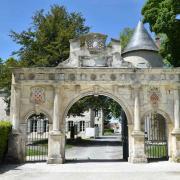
104,16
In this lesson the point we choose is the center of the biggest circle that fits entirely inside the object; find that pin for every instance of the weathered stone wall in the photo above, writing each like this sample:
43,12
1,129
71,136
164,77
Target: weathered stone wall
53,91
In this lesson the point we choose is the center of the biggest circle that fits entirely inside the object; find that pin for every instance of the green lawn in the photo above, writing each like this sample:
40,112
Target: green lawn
42,150
68,146
156,151
34,152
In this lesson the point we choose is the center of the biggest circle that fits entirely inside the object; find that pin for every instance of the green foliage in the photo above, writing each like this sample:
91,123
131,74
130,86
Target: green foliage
110,107
108,131
46,42
156,151
161,15
125,36
5,78
5,129
35,152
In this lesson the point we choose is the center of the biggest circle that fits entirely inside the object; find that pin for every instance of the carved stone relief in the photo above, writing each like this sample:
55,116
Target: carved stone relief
37,95
154,96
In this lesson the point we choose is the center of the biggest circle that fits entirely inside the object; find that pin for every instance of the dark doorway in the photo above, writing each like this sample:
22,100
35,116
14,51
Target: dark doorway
125,143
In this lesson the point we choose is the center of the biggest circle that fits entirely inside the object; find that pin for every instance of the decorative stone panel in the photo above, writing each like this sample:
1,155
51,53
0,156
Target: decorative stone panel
154,96
37,95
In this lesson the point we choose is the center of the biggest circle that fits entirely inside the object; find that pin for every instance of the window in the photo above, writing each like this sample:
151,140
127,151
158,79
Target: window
33,125
70,124
82,126
96,113
38,123
45,126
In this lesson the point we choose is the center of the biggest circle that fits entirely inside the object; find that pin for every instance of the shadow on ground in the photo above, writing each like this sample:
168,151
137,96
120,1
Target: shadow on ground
7,167
73,161
92,142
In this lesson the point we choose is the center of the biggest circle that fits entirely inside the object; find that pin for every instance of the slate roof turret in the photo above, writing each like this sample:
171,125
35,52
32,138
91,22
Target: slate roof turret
141,40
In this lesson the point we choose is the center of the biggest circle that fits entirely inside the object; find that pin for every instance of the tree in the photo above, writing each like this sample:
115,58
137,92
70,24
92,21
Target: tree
5,78
109,107
161,15
125,36
46,42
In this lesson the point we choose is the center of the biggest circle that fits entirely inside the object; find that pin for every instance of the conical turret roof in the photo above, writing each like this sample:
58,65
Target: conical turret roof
141,40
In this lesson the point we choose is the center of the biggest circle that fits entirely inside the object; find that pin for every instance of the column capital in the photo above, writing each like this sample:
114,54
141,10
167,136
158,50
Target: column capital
17,86
56,88
176,87
136,86
176,132
55,133
138,134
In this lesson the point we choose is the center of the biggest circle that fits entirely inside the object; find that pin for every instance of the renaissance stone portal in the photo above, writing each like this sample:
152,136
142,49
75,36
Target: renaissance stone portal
135,79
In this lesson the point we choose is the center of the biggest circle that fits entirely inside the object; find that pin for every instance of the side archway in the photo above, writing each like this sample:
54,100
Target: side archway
156,126
37,132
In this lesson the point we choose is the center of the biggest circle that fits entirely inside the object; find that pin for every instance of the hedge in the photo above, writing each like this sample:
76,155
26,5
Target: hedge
110,131
5,129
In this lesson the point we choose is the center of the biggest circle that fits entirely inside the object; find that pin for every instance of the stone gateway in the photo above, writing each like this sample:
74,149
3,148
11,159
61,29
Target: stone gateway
135,78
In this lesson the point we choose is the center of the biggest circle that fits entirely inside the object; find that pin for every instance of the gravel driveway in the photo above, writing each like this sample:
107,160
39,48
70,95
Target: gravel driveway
104,148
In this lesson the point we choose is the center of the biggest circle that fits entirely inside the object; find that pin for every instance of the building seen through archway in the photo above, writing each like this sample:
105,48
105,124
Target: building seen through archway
94,134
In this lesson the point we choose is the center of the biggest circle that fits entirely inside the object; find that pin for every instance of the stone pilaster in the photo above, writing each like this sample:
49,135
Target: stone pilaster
137,137
16,148
56,110
16,144
16,107
137,122
56,141
176,131
102,122
137,148
176,111
56,148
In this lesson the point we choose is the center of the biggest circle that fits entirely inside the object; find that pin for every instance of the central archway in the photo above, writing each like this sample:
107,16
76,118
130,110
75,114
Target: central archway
120,101
81,127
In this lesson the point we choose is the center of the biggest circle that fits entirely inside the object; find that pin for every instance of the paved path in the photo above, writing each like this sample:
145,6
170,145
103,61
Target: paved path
92,171
105,148
84,170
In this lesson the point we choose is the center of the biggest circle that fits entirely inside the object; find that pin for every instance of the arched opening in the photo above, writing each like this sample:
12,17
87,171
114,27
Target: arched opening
96,130
37,137
156,136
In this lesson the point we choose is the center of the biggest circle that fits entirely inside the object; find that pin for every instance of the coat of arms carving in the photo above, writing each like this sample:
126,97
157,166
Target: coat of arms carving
154,96
37,95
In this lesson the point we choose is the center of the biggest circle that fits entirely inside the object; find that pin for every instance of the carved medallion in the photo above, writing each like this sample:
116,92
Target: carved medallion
37,95
95,42
31,76
72,77
93,77
113,77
